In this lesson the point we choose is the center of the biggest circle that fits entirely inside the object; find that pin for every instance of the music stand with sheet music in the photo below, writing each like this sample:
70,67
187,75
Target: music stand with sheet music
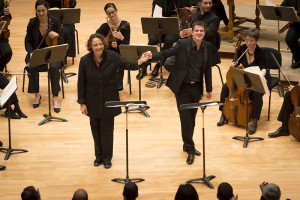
126,104
2,25
160,26
5,97
203,106
280,14
46,56
250,81
133,53
66,16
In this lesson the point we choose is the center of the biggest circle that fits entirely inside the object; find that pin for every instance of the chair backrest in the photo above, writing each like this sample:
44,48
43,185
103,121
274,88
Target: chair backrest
218,42
271,63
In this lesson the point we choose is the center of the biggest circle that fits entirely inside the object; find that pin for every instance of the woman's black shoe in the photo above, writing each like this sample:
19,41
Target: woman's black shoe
253,127
13,115
98,162
107,164
222,121
19,111
38,104
57,110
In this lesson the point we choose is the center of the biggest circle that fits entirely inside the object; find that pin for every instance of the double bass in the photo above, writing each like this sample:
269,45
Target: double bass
294,120
234,108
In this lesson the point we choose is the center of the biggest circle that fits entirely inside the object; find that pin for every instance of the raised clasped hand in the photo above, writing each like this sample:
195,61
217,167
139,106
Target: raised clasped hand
118,35
53,34
6,11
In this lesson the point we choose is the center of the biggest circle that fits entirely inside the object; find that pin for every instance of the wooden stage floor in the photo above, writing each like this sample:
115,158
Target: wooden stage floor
61,154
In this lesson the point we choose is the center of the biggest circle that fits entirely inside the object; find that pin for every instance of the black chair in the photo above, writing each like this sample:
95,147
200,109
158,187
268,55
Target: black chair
218,45
272,64
61,78
77,42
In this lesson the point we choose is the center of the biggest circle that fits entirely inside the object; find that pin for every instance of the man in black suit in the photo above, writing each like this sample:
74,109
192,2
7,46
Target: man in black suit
192,61
293,34
5,49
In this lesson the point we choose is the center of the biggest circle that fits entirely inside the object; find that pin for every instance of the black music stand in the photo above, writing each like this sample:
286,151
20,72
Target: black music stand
46,56
249,81
7,92
203,106
66,16
133,53
160,26
126,104
280,14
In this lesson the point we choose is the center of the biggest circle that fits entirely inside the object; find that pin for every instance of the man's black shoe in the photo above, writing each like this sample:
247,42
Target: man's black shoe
253,127
222,121
295,65
142,73
154,73
279,132
107,164
190,159
1,144
196,152
98,162
2,167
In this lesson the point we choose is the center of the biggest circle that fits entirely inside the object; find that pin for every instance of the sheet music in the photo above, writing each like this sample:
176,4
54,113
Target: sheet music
157,11
8,90
256,70
2,25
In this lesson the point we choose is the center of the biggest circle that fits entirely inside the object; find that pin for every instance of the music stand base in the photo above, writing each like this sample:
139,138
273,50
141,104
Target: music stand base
10,150
127,180
2,167
204,179
49,118
141,109
159,81
247,139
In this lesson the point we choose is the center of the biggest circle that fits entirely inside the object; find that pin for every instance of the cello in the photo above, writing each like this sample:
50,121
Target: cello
234,108
294,120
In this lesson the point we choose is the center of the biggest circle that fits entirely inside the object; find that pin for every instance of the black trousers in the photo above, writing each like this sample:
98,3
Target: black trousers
103,134
255,97
291,40
167,39
34,81
69,38
219,10
5,54
188,93
3,83
287,108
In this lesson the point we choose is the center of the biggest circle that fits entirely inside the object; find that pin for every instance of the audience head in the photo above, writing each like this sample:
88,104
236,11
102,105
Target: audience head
30,193
186,192
271,192
80,194
225,191
130,191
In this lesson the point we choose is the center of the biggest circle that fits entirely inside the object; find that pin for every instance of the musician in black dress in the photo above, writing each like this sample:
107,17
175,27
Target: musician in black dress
68,29
253,57
117,32
97,84
36,32
168,9
287,108
5,49
293,34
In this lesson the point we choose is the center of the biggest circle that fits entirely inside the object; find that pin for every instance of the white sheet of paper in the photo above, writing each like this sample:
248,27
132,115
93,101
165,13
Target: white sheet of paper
8,90
256,70
157,11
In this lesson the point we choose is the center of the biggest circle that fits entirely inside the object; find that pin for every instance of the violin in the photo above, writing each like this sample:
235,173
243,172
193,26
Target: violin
185,17
5,34
294,120
109,37
235,106
49,41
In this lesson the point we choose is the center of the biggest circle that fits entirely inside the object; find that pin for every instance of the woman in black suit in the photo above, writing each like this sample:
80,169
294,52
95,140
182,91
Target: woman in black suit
117,32
97,84
36,31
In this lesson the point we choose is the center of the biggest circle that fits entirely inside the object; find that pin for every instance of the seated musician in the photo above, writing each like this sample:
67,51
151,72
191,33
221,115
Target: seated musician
5,49
15,113
254,57
168,10
219,10
68,29
212,23
287,108
117,32
37,29
293,35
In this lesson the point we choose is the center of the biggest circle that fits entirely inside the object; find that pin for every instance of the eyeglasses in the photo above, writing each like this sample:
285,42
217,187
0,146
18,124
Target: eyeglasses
111,13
